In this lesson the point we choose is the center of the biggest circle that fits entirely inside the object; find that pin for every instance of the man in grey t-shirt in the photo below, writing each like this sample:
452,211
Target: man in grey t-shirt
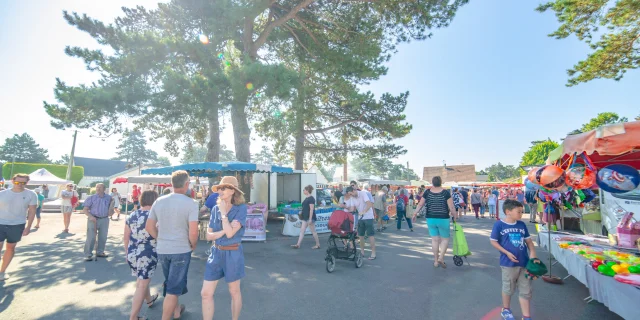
173,221
14,205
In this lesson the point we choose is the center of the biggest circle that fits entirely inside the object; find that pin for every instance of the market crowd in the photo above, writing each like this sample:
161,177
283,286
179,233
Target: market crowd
163,231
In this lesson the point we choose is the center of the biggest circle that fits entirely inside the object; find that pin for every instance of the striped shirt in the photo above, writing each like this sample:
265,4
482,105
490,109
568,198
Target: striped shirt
436,204
98,206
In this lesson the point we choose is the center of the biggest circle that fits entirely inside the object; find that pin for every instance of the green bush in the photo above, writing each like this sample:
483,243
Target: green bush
82,190
57,170
92,191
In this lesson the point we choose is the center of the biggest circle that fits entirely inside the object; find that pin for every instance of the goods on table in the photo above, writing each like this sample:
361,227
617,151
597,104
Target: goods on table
608,262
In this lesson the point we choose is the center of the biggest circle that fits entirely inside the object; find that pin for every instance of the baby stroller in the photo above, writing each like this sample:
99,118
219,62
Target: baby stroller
342,241
460,247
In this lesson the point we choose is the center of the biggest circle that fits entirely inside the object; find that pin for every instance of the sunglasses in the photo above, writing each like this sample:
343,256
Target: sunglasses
18,183
223,188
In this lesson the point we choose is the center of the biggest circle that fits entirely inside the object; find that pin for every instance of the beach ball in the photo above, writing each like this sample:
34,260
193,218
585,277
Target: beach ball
580,177
550,177
618,178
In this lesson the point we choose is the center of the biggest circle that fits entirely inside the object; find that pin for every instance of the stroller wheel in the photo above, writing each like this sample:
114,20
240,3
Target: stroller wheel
358,259
457,260
331,263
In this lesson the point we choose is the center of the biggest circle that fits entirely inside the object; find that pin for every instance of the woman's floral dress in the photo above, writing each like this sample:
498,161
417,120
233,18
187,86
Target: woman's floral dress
141,253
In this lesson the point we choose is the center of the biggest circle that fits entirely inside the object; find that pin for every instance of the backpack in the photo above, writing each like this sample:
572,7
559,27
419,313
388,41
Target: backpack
400,205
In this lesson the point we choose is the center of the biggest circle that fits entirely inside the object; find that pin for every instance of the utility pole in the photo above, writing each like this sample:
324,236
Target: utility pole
71,155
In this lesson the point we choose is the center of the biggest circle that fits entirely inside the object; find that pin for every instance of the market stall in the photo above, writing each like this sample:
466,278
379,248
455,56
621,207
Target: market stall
244,171
587,259
605,158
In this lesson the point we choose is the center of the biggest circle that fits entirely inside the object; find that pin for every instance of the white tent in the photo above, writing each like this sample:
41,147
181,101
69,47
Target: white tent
43,176
321,179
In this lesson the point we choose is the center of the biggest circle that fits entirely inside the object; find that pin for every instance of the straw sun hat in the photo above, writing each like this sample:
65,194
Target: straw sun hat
227,181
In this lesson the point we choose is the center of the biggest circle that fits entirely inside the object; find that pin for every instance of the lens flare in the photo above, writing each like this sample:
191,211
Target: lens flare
220,56
204,39
249,86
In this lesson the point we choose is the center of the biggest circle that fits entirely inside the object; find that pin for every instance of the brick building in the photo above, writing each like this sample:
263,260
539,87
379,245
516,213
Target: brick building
466,172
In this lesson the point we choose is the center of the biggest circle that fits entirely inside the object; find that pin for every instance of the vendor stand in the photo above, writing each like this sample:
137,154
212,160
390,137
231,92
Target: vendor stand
594,150
619,297
256,213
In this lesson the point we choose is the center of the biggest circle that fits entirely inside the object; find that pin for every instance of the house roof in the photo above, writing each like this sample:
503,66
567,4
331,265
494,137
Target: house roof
100,167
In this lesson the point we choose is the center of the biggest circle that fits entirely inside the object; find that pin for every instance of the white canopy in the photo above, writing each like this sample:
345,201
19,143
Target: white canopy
43,176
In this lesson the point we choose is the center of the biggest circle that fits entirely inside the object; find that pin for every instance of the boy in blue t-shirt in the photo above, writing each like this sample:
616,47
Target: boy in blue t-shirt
511,237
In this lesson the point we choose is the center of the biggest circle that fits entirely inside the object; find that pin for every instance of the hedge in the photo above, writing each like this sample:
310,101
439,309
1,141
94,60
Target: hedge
57,170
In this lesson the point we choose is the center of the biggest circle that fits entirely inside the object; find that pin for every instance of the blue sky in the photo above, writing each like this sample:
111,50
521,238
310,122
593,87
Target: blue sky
481,89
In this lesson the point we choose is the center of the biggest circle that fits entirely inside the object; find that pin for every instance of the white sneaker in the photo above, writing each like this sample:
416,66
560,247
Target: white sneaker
3,276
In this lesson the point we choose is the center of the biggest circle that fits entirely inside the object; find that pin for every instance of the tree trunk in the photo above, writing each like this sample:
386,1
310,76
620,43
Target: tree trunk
242,141
213,147
299,146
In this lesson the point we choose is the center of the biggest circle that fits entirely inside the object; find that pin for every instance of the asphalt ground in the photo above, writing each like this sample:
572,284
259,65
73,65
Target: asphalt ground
49,279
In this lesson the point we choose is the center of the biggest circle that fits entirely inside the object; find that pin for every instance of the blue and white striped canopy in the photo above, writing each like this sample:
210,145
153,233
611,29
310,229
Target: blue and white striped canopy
204,169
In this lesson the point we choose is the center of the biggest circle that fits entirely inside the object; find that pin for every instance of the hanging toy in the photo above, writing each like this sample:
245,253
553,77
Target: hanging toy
618,178
550,177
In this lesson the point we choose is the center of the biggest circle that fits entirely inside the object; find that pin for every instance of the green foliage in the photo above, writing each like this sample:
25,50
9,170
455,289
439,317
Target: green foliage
481,172
171,84
500,172
365,167
538,154
105,182
616,22
265,156
92,191
195,154
64,159
133,149
22,148
59,171
600,120
163,161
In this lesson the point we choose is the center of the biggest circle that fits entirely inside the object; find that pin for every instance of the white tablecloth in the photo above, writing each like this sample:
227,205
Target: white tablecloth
575,264
618,297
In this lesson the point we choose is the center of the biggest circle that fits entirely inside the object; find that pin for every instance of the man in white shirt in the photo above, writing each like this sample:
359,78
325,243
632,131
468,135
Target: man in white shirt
14,205
365,219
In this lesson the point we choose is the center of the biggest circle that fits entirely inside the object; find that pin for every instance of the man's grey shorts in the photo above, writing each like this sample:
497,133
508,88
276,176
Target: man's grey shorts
365,226
67,209
512,277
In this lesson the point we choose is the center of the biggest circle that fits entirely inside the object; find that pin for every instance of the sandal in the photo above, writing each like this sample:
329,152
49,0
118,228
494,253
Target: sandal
182,308
372,258
315,247
153,300
295,246
442,264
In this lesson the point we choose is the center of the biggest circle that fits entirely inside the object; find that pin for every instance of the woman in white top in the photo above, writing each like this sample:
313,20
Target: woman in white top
67,207
492,201
116,202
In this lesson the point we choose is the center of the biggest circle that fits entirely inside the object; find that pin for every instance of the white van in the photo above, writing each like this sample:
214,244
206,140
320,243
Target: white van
614,205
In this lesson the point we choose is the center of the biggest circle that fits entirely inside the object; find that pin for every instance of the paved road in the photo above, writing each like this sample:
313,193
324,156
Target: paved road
50,280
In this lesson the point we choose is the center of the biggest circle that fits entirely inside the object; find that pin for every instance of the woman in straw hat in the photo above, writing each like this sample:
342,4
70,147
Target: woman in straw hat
226,228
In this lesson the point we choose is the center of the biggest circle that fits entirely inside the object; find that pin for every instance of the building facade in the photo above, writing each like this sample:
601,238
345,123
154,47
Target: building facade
455,173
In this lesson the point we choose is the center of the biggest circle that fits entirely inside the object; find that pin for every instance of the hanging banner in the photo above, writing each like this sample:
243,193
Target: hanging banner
292,221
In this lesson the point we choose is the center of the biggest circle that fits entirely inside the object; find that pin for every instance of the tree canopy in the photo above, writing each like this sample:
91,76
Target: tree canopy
133,149
23,148
600,120
500,172
176,69
616,26
538,154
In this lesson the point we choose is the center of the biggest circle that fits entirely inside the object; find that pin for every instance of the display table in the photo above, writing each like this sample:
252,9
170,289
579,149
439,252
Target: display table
618,297
292,223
